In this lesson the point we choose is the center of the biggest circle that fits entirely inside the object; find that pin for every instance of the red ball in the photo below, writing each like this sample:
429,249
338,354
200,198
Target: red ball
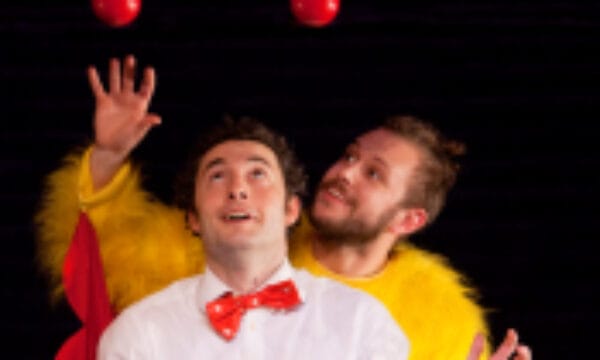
117,13
315,13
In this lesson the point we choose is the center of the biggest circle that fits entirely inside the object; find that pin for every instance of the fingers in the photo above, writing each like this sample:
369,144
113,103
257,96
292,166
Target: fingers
114,75
476,347
148,82
95,83
122,80
129,73
508,346
523,352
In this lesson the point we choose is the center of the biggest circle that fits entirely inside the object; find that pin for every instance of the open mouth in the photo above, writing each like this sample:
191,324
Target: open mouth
336,193
237,216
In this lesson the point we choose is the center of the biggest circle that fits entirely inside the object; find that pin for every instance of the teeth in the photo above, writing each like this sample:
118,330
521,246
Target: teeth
238,216
336,193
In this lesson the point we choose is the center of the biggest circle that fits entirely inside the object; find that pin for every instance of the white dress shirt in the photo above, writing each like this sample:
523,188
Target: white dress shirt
333,322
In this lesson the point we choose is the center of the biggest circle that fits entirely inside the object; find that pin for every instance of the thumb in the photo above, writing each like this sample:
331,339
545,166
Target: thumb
152,119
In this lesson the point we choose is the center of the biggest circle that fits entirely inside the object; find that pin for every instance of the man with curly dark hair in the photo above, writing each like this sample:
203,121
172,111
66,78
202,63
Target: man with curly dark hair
241,192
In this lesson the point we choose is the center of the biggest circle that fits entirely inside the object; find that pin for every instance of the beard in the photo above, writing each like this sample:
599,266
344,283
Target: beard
351,231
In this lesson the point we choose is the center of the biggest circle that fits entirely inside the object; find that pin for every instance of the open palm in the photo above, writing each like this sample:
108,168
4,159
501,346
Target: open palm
121,119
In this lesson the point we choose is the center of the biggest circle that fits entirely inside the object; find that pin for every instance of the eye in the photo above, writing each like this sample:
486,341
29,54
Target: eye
349,157
373,174
216,176
258,173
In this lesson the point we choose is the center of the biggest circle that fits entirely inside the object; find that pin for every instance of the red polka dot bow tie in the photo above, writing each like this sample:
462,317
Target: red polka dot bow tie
225,313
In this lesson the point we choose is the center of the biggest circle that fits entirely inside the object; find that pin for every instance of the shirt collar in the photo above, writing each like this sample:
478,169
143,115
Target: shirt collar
210,286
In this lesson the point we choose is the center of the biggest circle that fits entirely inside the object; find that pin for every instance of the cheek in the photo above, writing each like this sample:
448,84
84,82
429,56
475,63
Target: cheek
198,199
208,189
369,203
206,199
269,198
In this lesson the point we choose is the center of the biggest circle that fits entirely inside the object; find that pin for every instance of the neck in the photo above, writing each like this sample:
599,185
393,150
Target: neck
245,274
353,260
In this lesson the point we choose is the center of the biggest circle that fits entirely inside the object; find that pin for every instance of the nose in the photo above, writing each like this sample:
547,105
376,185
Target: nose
346,173
238,195
238,189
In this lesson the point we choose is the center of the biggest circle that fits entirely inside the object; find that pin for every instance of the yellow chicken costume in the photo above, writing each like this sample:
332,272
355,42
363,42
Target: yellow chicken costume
145,245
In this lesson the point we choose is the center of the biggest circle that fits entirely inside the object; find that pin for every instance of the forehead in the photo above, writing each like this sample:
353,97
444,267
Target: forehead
238,152
385,146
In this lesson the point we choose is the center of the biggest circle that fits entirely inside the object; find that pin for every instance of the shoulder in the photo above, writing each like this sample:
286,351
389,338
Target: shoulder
429,270
141,327
340,301
417,279
332,293
178,295
354,314
429,296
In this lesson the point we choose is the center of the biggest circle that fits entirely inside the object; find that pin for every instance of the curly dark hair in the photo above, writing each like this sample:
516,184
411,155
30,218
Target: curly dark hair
436,174
243,128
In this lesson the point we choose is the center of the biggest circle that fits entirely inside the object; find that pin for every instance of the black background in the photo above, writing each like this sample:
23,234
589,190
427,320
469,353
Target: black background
518,82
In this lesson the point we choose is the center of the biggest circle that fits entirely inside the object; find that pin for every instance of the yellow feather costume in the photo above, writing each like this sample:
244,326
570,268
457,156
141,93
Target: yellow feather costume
145,245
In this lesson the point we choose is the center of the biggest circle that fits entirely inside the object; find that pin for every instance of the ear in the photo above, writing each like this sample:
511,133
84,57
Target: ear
408,221
293,207
193,222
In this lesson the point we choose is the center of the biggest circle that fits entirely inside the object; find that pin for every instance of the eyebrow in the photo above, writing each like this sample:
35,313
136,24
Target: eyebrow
259,159
381,161
355,145
220,161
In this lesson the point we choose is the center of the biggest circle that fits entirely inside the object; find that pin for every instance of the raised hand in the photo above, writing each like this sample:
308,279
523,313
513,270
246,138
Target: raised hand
121,118
510,346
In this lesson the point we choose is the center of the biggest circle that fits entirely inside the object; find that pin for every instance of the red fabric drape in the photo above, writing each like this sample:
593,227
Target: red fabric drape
85,289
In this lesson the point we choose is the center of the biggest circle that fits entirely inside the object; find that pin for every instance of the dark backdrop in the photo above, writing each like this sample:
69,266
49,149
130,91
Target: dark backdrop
518,82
